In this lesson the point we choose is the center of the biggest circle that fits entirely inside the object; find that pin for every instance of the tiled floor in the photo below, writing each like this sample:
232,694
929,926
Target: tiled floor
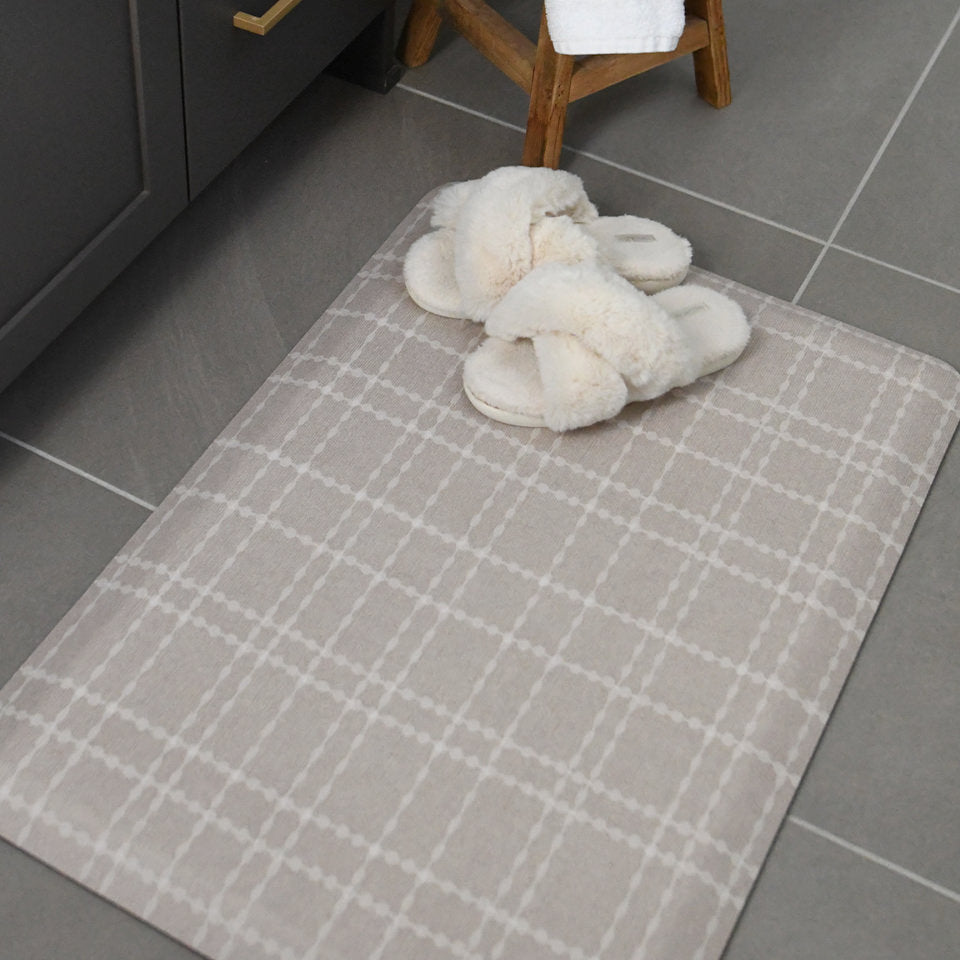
831,180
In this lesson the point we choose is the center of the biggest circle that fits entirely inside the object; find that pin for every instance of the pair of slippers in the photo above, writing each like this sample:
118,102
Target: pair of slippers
583,314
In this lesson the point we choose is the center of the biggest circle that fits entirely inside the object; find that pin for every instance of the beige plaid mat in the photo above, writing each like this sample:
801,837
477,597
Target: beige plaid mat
384,679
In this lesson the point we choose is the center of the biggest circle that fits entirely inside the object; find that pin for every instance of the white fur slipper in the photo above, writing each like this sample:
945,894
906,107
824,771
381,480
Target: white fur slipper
495,230
571,345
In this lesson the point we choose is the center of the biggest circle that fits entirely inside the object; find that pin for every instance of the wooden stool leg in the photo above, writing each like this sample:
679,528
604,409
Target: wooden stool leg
710,64
549,94
419,33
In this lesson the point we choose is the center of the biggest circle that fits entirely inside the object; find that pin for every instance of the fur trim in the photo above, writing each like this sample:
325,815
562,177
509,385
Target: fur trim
448,202
628,329
493,244
579,387
508,222
571,345
561,240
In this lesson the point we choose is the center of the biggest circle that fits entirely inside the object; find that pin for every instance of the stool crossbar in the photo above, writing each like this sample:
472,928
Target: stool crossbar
553,80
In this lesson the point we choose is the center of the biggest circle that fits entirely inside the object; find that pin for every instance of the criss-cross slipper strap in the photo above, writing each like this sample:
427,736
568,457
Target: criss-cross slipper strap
579,387
493,247
625,328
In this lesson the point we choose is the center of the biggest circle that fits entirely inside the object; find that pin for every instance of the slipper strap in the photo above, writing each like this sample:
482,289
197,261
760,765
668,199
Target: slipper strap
494,246
579,387
448,201
627,329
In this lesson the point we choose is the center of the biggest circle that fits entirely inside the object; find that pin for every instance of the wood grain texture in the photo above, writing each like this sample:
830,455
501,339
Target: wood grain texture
710,64
419,34
496,38
602,70
553,80
549,96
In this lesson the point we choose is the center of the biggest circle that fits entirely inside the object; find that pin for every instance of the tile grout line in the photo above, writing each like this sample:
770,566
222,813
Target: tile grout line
692,194
622,167
695,195
78,471
892,266
459,106
875,858
879,154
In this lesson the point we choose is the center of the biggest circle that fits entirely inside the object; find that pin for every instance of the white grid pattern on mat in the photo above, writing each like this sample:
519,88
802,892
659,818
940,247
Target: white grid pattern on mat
383,679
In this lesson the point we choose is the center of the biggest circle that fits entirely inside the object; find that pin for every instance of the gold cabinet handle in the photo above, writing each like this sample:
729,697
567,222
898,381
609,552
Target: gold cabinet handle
263,25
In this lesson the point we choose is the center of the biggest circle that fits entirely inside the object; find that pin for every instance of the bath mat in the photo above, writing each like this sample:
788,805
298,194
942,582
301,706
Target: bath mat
384,679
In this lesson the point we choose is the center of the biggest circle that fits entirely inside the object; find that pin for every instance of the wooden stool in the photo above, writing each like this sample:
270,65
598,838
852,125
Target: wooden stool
553,80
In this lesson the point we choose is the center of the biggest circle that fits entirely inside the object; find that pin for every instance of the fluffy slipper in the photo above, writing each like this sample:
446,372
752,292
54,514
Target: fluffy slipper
572,345
493,231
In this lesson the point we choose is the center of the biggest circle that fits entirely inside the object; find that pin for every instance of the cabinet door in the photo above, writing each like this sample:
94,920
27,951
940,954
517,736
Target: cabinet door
236,82
92,161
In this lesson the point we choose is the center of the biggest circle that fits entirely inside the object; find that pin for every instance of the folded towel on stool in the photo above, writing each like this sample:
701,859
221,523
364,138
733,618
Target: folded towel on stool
614,26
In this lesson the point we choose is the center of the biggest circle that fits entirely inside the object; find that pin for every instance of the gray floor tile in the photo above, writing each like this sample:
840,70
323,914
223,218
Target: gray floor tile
43,916
817,901
814,96
909,209
891,304
886,774
141,383
57,532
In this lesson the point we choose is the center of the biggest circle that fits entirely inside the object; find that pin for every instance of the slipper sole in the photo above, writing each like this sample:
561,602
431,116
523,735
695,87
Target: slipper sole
429,275
507,375
502,416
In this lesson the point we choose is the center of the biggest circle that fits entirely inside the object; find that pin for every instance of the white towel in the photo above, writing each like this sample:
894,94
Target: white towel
614,26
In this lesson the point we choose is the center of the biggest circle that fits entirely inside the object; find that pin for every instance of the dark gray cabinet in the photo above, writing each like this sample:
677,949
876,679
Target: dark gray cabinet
236,82
91,156
114,113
